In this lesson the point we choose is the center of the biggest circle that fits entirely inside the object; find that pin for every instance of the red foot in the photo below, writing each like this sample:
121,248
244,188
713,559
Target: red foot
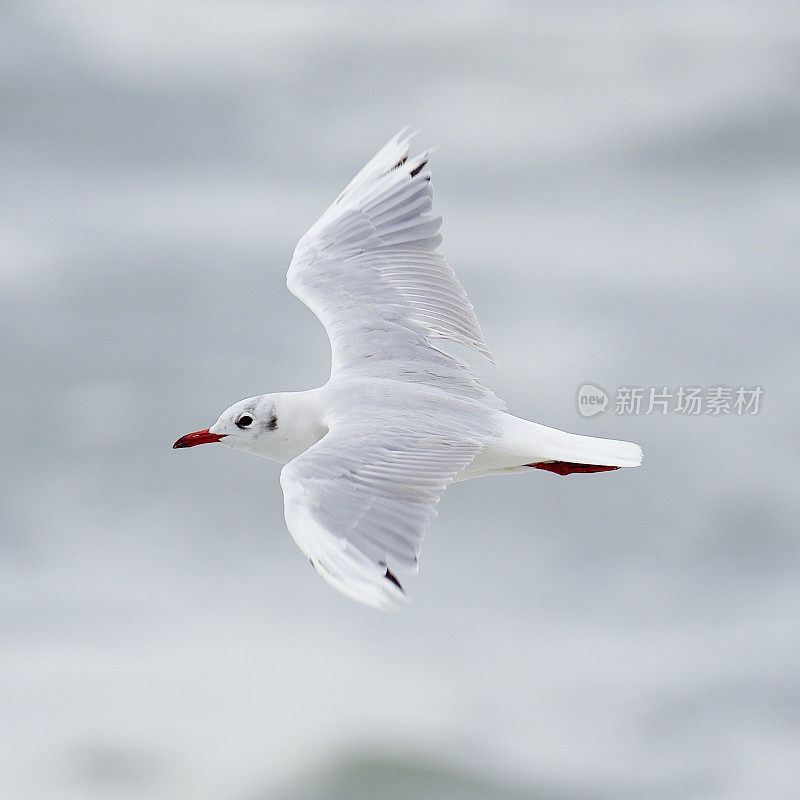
566,467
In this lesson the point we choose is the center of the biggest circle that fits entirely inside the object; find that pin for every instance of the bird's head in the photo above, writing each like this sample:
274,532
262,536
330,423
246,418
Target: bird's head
250,424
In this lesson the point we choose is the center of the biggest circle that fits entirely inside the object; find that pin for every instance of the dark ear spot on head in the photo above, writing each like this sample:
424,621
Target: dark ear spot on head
273,423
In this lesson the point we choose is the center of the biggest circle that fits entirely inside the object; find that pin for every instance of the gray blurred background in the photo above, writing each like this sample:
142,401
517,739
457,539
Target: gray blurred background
621,191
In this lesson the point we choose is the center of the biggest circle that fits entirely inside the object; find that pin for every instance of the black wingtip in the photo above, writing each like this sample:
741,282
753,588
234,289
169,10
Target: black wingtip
388,575
417,170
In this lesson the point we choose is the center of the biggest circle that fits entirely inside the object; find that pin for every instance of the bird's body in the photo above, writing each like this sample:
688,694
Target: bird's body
508,443
368,454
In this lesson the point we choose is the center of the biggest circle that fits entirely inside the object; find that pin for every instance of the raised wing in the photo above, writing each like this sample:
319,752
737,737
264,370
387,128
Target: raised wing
369,270
359,501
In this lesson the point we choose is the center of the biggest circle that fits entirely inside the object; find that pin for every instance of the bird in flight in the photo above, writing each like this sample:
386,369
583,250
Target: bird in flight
367,456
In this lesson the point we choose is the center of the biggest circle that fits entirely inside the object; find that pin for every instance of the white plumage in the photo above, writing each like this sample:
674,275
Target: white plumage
368,455
368,268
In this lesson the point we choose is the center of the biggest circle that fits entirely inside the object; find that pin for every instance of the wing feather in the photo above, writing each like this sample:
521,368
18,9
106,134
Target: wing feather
410,417
359,501
368,268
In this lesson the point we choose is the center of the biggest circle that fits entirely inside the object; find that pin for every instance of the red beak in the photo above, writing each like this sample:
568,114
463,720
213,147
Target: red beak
199,437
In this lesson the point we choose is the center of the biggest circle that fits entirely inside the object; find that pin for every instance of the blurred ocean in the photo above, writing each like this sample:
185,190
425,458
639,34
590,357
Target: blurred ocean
620,185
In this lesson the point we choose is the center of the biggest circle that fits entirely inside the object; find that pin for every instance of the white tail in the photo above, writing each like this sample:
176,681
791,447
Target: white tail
530,444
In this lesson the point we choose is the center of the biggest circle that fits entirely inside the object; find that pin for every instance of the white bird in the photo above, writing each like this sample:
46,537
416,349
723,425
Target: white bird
368,455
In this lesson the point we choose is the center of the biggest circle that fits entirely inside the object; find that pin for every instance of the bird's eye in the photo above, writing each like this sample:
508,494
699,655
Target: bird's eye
245,421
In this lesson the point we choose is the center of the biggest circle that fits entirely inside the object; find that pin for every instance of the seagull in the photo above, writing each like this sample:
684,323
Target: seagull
368,455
